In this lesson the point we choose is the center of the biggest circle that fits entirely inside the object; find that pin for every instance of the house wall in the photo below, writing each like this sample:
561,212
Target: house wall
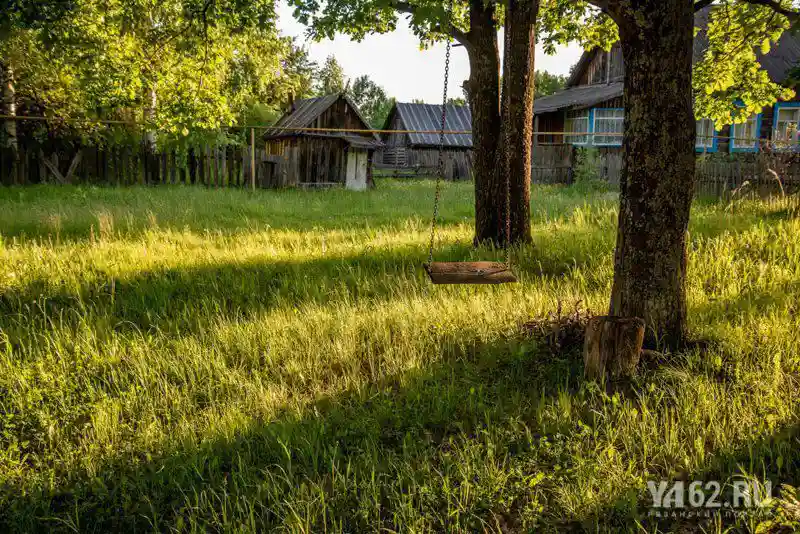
394,151
307,160
457,162
554,122
341,116
549,122
598,70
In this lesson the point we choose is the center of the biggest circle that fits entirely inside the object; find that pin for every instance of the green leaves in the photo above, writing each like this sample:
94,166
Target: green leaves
203,63
729,83
372,101
547,84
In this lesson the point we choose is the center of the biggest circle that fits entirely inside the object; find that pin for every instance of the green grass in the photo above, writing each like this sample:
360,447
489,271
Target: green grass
193,360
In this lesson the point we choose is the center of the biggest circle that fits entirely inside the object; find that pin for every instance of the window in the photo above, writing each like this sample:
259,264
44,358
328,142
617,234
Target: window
744,136
576,122
705,140
608,121
786,121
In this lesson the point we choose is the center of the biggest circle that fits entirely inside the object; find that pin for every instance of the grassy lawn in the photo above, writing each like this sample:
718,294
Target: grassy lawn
193,360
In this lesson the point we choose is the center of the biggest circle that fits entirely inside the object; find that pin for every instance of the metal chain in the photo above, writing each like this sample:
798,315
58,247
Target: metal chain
507,120
440,165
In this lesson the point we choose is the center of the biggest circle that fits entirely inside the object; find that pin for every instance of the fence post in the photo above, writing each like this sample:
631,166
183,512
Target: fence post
253,159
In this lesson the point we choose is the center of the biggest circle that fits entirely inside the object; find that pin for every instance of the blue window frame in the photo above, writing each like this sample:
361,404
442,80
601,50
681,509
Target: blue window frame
607,121
745,136
786,124
706,138
580,122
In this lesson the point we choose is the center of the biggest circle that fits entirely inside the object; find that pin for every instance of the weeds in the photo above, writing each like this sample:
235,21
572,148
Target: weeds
194,360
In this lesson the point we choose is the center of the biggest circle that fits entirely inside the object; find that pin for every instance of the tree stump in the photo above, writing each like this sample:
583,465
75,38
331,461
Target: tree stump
612,345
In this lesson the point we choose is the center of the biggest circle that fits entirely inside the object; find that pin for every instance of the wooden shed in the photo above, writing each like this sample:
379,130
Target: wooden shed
418,153
298,158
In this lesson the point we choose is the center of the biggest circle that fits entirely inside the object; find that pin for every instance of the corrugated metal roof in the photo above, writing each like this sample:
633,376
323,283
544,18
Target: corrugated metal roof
582,96
306,111
428,117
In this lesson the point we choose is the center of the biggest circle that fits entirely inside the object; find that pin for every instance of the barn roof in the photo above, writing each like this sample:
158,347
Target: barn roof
428,117
305,112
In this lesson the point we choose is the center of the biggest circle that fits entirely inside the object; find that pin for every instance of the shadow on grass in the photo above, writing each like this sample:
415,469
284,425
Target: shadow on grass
177,300
456,446
381,455
774,457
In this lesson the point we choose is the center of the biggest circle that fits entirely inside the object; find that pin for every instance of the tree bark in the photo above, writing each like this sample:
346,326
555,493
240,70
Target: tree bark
484,90
612,345
658,167
150,116
9,108
517,113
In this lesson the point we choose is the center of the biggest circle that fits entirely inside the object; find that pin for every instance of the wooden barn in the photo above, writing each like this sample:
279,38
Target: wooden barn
418,153
298,158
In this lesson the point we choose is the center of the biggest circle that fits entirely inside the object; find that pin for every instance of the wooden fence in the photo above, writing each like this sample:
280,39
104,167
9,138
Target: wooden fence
725,176
553,164
717,175
211,166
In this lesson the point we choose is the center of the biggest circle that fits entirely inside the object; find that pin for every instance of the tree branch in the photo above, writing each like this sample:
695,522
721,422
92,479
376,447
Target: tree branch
455,33
702,4
775,5
609,8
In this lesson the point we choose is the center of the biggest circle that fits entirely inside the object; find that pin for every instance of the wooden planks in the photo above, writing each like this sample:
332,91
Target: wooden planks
475,272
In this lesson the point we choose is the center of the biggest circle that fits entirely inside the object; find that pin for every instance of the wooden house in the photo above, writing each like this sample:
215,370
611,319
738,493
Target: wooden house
590,112
303,158
417,153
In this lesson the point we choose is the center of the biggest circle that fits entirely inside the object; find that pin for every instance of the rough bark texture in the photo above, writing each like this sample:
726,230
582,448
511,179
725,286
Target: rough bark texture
612,345
517,113
484,90
658,167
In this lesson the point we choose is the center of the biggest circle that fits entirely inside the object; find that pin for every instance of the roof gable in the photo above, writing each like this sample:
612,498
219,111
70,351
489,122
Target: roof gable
304,112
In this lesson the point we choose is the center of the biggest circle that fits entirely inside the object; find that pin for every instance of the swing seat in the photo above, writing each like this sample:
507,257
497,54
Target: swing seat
474,272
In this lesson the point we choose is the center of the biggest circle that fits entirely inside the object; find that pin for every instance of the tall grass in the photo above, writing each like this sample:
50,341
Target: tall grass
193,360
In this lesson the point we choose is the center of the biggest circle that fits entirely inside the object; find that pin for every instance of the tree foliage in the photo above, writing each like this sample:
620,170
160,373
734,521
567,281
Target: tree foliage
729,81
372,100
330,78
730,72
204,64
547,84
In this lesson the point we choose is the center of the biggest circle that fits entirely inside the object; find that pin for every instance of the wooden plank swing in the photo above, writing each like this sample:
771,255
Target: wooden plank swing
474,272
470,272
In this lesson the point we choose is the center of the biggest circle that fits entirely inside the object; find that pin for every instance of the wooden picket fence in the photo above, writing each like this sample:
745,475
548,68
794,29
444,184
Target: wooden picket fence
211,166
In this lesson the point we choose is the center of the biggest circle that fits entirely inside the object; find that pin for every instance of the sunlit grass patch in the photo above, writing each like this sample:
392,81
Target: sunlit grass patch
190,359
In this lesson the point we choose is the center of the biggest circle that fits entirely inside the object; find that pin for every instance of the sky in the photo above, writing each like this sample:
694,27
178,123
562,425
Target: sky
395,61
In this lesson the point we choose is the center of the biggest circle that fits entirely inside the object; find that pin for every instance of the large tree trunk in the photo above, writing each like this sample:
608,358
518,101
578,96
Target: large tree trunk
484,90
517,113
658,167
